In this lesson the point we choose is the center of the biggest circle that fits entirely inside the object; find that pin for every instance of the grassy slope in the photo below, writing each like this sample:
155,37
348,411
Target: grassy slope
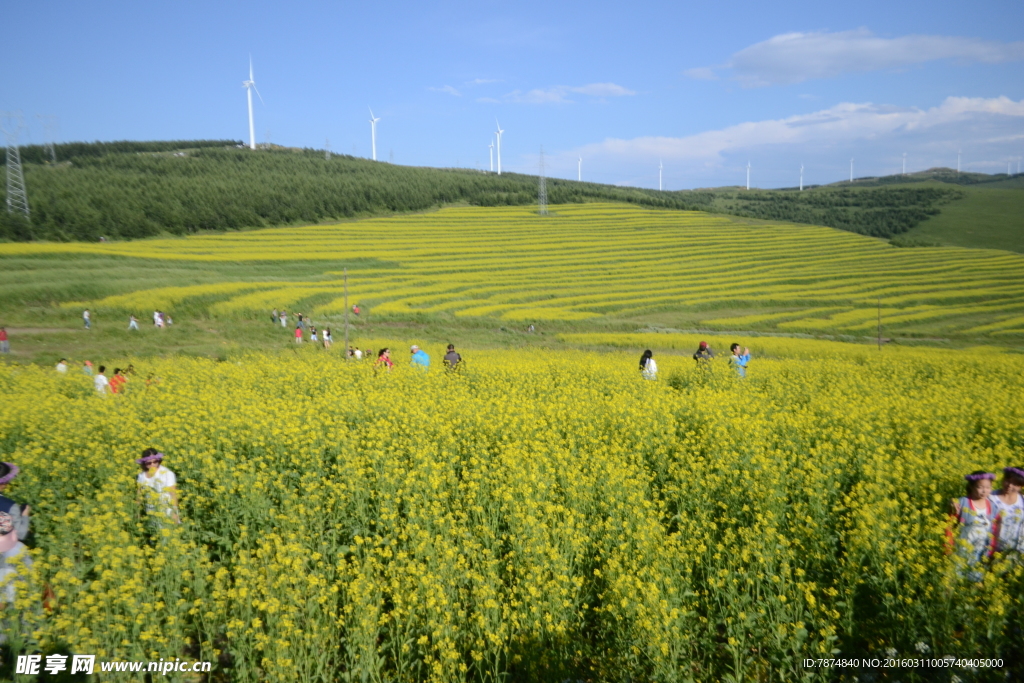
30,285
990,216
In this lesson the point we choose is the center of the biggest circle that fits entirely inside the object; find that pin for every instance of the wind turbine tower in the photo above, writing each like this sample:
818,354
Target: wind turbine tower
373,134
660,167
249,86
801,177
327,150
748,175
579,170
499,133
851,170
958,162
490,150
904,163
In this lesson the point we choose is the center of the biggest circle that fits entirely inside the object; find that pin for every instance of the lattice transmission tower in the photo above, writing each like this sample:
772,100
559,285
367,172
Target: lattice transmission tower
16,198
542,190
50,125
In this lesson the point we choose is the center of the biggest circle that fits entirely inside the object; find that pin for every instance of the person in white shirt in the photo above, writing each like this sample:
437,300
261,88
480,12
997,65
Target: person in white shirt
62,366
648,368
101,382
133,323
158,487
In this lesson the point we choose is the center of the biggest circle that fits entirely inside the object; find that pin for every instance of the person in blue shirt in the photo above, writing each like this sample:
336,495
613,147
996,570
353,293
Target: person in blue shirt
738,360
420,359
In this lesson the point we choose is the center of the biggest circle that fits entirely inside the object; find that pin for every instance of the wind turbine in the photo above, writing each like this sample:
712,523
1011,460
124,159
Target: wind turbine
904,163
249,86
490,150
748,175
579,169
499,132
373,133
660,166
801,177
851,170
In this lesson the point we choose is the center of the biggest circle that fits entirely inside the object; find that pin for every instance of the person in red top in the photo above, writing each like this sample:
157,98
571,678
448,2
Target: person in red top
298,334
5,346
117,382
383,360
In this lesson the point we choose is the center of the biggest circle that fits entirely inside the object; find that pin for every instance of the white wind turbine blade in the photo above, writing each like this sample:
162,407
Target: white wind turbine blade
258,94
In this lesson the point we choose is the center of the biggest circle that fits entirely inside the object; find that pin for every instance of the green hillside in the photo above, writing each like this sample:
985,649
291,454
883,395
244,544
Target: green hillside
987,216
128,190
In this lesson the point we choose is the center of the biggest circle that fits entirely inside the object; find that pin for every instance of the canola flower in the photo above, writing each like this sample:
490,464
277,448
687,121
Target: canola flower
528,518
589,261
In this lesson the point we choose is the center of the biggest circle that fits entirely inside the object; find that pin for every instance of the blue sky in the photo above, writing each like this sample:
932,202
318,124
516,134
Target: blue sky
702,87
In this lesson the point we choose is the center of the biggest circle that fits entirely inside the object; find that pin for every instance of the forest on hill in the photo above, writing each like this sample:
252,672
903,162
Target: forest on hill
129,190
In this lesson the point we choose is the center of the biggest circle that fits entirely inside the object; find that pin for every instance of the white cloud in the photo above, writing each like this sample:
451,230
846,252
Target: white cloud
797,57
957,118
559,94
447,89
702,73
481,81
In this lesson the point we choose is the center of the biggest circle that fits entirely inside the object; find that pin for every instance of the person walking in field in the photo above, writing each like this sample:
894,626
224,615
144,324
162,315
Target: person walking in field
158,488
133,323
87,319
420,359
383,361
739,361
5,346
327,338
298,334
648,366
101,382
87,368
284,319
1009,505
273,316
15,563
117,382
974,517
355,309
452,360
703,354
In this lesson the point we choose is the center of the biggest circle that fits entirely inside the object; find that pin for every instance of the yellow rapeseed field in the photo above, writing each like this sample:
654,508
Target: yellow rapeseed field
589,261
538,516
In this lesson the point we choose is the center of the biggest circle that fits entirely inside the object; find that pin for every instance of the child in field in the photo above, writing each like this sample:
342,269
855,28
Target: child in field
14,524
1009,505
284,319
87,319
158,487
87,368
101,382
648,367
312,334
327,338
117,382
974,516
133,323
298,334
